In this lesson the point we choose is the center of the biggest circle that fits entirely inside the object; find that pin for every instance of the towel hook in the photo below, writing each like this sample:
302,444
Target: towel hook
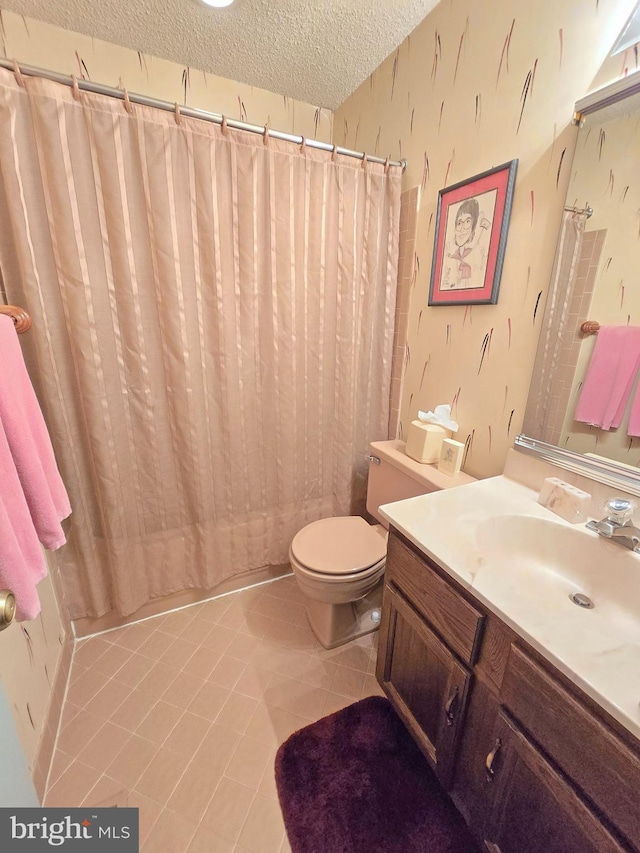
21,320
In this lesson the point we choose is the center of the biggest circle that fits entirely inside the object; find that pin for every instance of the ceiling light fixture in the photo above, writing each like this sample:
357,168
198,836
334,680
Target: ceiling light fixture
218,4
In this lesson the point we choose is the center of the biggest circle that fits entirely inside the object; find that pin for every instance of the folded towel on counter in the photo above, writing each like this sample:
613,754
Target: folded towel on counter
33,499
609,379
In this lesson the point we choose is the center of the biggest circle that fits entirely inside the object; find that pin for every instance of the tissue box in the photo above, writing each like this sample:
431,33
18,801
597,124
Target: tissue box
424,441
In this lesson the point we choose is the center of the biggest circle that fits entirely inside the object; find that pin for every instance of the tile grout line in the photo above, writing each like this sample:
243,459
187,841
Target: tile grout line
234,621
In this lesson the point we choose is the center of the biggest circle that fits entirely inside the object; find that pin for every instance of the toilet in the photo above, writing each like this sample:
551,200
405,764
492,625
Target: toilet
339,562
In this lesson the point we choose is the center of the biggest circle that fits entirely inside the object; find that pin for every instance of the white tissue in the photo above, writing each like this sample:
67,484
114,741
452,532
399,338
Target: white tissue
441,416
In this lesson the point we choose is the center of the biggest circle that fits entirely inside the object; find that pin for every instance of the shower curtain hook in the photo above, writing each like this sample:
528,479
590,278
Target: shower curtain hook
334,153
386,165
265,134
303,145
177,114
75,89
364,160
127,103
18,74
223,125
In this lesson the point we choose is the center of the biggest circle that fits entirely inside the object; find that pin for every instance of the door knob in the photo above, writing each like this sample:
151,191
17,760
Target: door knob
7,608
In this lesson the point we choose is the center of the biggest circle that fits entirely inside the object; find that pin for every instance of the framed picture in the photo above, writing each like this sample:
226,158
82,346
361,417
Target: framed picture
471,234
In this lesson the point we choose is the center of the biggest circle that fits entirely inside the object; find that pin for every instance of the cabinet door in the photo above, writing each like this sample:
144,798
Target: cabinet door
423,680
473,790
535,809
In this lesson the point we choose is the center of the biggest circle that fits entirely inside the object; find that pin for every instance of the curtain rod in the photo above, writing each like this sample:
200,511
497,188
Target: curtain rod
190,112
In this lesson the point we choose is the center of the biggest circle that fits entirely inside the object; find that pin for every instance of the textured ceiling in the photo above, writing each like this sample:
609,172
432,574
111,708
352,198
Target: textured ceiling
317,52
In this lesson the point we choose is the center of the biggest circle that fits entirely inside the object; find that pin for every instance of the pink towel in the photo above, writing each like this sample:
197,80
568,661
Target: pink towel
33,500
22,562
610,376
634,417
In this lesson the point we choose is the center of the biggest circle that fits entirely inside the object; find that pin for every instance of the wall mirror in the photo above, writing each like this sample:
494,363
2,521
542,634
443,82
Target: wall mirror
595,278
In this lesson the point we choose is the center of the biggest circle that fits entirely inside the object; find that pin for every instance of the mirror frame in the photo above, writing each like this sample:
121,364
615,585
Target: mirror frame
615,474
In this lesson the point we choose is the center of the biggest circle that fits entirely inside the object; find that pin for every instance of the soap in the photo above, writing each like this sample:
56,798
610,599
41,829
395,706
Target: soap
424,441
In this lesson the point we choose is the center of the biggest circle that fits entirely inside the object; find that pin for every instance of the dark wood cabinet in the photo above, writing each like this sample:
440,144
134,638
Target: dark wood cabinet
425,682
531,762
471,790
535,809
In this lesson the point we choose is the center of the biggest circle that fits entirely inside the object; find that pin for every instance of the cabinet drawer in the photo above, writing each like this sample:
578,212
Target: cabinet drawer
456,621
597,760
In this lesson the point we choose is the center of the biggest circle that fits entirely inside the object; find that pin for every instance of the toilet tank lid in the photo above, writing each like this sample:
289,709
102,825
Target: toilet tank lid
339,545
393,451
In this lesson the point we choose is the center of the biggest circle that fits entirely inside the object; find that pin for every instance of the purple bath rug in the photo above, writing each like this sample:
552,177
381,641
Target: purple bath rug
355,782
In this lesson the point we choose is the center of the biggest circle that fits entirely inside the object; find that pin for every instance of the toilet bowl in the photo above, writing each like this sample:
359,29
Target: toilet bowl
339,564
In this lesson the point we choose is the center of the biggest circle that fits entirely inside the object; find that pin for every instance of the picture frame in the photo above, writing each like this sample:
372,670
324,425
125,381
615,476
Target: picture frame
472,223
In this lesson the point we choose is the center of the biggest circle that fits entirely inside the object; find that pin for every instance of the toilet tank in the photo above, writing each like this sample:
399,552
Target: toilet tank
397,477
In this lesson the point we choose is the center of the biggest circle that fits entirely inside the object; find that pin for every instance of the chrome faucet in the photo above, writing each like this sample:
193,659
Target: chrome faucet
617,524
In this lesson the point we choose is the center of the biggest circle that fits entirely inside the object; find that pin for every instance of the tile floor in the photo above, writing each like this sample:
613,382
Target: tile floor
181,716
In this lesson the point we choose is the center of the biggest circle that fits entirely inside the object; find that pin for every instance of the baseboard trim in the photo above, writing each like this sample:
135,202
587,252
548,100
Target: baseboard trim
53,717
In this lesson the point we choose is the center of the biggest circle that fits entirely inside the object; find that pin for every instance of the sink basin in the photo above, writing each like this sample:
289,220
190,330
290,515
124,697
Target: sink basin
522,563
546,562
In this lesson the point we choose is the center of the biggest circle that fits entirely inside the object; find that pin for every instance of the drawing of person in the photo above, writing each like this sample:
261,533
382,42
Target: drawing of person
465,255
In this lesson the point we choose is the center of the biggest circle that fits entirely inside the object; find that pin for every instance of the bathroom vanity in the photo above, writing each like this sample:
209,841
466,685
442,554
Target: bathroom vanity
530,720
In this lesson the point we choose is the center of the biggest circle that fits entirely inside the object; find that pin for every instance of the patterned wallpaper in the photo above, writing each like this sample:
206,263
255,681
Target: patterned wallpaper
605,174
466,91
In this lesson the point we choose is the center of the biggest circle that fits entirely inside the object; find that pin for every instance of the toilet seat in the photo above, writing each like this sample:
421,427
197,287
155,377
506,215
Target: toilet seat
345,546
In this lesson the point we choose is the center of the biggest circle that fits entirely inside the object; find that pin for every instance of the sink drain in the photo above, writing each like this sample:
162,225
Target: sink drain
582,600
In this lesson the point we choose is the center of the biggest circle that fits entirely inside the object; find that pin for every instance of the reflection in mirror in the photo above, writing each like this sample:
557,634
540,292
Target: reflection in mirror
594,279
605,174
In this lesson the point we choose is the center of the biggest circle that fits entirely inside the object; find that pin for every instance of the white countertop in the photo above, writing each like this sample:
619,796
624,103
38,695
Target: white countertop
599,649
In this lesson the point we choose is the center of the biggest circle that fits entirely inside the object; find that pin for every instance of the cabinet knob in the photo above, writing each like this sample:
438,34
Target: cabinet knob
491,760
451,707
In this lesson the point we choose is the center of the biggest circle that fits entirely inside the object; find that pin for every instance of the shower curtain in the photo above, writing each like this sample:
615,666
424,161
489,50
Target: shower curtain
212,333
541,416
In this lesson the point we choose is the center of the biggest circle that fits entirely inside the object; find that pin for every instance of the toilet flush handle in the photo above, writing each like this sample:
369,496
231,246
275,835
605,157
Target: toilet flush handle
375,460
